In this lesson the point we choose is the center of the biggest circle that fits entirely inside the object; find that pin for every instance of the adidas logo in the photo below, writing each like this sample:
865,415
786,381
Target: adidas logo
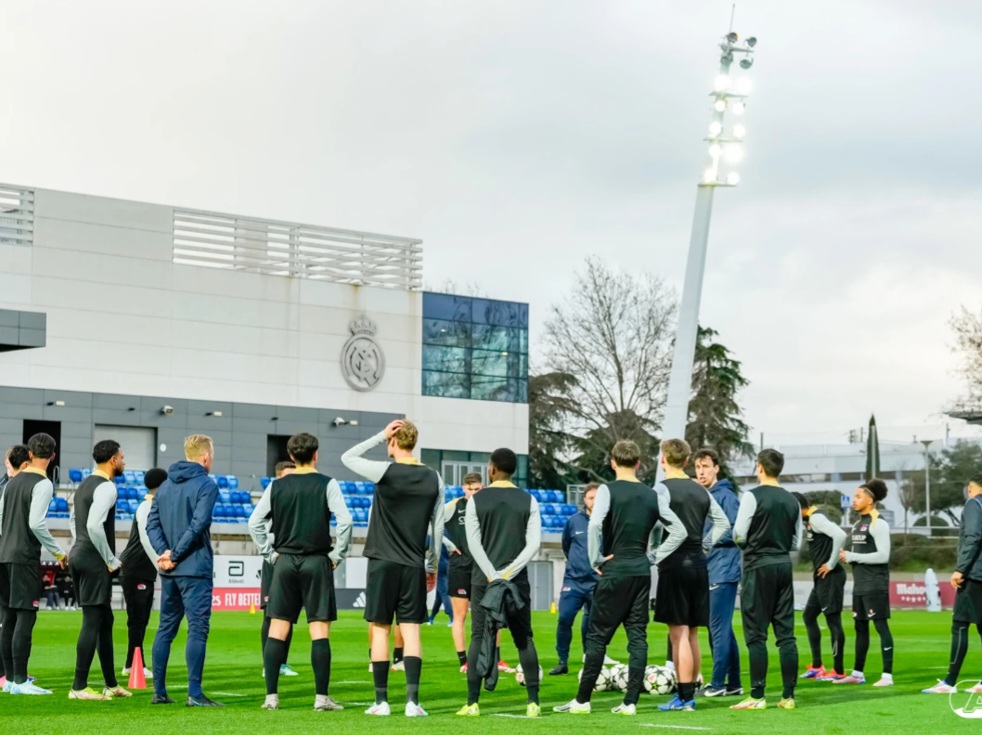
360,600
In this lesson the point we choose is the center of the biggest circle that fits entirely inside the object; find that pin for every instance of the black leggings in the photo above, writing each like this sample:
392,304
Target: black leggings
96,633
16,639
862,643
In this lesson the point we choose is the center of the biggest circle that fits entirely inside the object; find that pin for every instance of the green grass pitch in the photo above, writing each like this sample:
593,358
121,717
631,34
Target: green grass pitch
232,675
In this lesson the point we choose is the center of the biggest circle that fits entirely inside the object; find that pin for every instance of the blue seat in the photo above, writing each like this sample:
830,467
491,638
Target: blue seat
120,479
141,493
133,505
86,472
75,475
62,504
264,481
141,477
52,507
569,509
122,506
130,477
363,488
225,496
238,511
233,482
248,508
221,480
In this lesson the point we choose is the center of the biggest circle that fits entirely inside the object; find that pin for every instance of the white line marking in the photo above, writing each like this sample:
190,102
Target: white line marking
227,694
514,717
675,727
353,681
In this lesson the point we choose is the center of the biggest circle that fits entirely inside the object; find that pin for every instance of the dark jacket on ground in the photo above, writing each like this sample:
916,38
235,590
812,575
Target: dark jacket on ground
500,596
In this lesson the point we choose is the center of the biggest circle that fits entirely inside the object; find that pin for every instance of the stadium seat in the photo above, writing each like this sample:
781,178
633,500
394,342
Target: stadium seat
264,481
141,493
120,480
133,505
569,510
62,505
233,482
52,506
130,477
248,507
86,472
141,477
364,488
75,475
225,496
221,480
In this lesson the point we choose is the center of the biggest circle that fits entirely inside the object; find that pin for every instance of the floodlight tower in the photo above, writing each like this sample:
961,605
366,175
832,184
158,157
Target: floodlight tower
725,151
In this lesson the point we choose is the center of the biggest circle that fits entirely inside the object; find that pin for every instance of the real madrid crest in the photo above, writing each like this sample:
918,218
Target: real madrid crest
362,359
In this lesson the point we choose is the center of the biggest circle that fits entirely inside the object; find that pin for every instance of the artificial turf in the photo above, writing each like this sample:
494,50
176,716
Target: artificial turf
232,675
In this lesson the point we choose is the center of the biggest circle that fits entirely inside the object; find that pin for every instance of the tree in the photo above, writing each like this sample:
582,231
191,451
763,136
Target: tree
614,336
714,414
549,412
967,327
951,471
872,451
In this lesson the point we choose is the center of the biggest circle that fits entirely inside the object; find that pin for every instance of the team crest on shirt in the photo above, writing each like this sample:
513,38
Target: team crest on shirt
36,603
863,528
141,587
362,359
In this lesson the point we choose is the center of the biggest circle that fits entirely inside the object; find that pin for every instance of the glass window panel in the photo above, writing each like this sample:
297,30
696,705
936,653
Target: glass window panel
523,341
487,337
484,362
446,385
443,332
445,359
447,306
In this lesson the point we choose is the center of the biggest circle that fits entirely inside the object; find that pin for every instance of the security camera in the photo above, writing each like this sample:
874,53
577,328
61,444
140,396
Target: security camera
339,421
168,410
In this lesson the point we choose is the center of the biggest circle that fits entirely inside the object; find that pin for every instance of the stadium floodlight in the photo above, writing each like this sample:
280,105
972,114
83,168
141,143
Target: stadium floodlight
724,151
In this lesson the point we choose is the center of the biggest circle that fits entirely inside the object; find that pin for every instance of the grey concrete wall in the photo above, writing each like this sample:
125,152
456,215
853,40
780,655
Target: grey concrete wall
240,433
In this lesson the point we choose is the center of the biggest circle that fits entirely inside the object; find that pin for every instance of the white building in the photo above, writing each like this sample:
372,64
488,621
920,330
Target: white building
245,329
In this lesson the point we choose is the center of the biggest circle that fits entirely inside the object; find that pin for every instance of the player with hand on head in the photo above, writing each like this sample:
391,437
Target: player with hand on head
825,541
625,516
870,559
408,504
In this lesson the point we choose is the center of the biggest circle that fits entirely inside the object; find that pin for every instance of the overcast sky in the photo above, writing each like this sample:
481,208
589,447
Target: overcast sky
517,137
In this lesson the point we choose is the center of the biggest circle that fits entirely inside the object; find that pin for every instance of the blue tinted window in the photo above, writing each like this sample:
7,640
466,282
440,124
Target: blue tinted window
475,348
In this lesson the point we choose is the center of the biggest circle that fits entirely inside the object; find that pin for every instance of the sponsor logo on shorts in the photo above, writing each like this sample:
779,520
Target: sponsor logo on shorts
566,589
360,600
461,591
141,586
36,603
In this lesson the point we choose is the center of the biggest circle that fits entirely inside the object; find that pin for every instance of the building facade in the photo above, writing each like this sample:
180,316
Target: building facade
150,322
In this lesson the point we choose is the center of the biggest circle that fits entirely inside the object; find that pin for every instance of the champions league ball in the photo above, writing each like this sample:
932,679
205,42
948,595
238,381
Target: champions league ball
619,677
604,680
659,680
520,675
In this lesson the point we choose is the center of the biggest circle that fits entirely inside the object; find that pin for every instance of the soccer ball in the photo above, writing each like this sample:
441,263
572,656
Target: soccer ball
520,675
659,680
619,677
604,680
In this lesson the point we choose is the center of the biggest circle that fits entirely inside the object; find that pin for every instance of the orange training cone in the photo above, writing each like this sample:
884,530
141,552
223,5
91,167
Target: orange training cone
137,679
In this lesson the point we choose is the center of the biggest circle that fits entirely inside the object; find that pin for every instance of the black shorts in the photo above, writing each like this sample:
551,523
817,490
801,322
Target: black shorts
265,580
519,620
871,606
302,582
968,603
20,586
619,601
682,597
395,591
829,592
767,600
93,582
459,580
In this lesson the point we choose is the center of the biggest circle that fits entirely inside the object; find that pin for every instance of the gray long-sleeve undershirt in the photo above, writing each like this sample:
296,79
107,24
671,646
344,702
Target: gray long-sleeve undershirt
41,497
533,539
880,531
745,515
103,502
140,519
821,524
260,524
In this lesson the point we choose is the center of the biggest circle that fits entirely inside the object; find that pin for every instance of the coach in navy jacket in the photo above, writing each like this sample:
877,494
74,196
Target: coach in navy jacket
179,529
